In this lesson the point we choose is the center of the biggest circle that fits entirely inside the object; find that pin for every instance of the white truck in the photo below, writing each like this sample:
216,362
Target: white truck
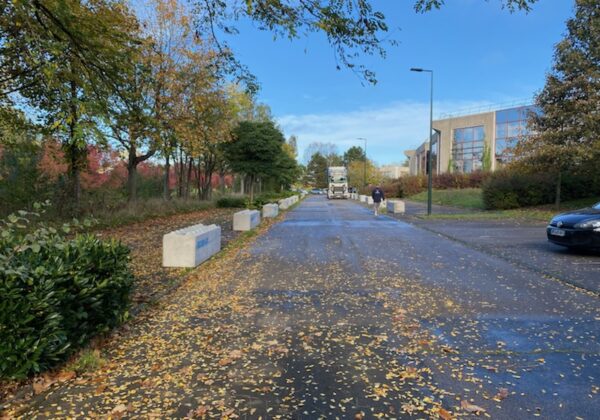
338,182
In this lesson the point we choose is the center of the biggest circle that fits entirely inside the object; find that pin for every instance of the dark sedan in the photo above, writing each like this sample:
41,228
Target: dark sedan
576,229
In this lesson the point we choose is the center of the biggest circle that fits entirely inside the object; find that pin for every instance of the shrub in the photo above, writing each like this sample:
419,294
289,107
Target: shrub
507,190
231,202
259,201
411,185
56,292
270,197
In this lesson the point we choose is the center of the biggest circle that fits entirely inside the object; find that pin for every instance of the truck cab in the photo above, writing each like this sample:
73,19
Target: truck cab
338,182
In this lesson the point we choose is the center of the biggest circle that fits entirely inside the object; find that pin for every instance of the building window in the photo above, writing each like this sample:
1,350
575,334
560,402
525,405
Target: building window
511,125
435,146
467,149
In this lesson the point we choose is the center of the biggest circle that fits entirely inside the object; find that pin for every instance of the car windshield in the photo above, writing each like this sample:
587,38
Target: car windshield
597,206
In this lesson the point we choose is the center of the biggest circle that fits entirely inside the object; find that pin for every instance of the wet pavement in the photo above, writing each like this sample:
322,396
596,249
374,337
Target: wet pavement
334,313
520,242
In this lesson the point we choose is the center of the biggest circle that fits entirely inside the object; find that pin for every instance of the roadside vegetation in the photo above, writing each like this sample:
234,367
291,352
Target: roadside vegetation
469,198
533,214
472,200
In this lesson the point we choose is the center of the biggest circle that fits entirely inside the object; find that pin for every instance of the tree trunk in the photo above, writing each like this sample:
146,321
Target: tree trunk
132,173
558,187
251,188
132,181
188,177
242,182
180,170
167,184
199,180
76,155
222,181
207,178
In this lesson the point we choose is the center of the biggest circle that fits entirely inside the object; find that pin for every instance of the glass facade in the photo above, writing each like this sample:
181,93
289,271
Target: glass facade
511,125
435,151
467,148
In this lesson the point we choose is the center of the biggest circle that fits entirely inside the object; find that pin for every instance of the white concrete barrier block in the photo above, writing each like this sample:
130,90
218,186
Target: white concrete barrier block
363,198
396,206
369,200
246,219
283,204
270,210
191,246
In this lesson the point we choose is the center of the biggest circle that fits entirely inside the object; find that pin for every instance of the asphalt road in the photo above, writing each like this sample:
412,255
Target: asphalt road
333,313
520,242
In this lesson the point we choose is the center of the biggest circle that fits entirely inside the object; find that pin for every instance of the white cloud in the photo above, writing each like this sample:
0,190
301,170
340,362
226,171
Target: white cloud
390,129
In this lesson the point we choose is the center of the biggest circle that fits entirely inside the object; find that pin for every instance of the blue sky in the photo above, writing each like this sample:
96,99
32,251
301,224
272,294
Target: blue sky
482,55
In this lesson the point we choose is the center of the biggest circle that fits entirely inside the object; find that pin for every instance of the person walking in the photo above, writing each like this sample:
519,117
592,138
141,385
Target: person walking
377,196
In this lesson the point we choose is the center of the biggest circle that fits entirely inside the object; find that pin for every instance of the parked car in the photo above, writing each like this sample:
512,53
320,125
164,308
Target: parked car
316,191
576,229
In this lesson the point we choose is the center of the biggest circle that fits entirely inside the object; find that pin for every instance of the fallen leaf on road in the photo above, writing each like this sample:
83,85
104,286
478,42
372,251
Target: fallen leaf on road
100,389
502,394
199,412
40,386
119,411
225,361
445,415
471,408
65,376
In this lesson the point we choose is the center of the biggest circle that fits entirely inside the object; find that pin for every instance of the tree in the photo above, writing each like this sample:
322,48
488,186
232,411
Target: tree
129,116
316,171
291,146
256,151
356,173
63,57
565,131
355,153
351,27
35,36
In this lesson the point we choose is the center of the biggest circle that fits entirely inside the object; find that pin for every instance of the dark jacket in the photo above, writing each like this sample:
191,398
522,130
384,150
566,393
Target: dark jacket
377,195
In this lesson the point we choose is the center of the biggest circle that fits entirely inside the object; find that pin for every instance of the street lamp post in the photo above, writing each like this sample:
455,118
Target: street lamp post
365,162
429,174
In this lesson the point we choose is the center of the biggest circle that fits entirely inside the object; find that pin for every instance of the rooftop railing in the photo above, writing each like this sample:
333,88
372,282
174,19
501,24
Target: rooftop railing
486,108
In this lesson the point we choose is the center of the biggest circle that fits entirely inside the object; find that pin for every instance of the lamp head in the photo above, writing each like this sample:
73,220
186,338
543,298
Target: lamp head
416,69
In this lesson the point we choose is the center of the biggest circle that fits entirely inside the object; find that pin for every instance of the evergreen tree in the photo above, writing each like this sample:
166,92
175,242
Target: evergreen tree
257,152
566,128
316,171
355,153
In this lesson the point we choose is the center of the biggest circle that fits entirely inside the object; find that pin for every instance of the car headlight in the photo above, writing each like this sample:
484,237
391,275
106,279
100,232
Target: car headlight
588,224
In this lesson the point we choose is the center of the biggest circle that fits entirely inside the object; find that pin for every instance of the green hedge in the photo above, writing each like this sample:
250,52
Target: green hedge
407,186
234,202
56,293
259,201
512,189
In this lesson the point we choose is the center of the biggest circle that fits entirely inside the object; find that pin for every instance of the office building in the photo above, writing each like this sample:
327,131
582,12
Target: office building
467,143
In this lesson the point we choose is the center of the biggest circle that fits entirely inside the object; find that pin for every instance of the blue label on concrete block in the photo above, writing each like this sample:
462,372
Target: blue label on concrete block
201,242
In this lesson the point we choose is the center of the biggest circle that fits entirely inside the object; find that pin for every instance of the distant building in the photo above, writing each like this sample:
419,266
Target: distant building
393,171
467,143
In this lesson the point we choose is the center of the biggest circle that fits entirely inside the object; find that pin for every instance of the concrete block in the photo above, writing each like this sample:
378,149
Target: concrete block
191,246
363,198
270,210
396,206
369,200
246,219
283,204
